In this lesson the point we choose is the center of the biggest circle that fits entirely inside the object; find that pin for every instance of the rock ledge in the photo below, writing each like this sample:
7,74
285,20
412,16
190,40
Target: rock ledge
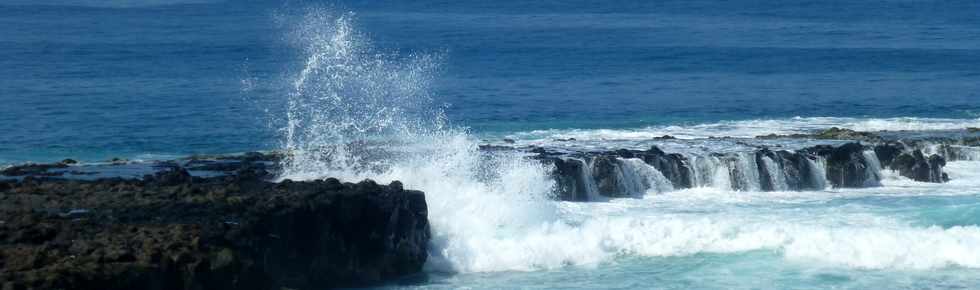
174,231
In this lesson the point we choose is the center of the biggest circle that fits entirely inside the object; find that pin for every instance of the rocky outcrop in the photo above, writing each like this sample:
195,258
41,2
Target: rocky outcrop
834,133
850,165
916,166
967,137
788,171
675,167
34,169
607,173
570,185
172,230
888,151
581,176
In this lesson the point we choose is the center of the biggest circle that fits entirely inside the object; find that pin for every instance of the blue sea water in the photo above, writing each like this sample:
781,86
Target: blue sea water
158,79
99,79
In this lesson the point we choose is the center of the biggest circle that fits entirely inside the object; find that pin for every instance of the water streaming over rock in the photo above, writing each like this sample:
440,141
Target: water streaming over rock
626,173
358,113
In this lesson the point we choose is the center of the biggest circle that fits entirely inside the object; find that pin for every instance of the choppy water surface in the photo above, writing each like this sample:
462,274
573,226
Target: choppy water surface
431,81
102,79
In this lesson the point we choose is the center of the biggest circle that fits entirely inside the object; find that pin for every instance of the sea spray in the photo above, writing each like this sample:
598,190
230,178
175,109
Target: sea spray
356,113
349,99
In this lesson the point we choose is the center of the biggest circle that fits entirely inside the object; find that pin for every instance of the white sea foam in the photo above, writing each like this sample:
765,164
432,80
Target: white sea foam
744,129
964,172
347,93
854,246
493,212
586,234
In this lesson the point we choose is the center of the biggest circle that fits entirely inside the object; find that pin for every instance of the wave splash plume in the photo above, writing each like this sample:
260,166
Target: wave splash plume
355,112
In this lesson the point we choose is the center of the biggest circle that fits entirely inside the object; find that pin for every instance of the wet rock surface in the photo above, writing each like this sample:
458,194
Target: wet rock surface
916,166
33,169
172,230
834,157
846,134
582,176
570,186
832,133
848,166
675,167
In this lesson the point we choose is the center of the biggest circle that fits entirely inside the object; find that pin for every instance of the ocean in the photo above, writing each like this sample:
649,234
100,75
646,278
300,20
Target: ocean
433,80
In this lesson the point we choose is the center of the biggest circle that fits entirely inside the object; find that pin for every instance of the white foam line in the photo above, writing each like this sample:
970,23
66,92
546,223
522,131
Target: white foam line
745,129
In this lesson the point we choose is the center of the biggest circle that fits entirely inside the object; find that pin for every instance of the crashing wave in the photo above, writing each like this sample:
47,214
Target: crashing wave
354,113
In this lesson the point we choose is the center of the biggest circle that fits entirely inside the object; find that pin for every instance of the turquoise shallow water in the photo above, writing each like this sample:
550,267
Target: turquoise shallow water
905,235
757,270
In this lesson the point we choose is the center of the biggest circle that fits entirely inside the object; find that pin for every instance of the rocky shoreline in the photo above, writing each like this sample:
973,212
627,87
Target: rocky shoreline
219,222
171,230
853,160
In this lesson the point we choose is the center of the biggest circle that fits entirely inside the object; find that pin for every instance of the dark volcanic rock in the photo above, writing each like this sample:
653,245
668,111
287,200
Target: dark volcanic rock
584,175
569,176
800,173
568,173
171,177
674,166
772,136
916,166
606,171
794,168
833,133
33,169
214,165
489,148
765,176
174,231
257,162
913,163
936,164
887,152
972,141
581,175
845,134
847,166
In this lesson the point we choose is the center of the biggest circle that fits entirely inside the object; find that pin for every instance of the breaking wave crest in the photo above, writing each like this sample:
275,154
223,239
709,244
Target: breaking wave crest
354,112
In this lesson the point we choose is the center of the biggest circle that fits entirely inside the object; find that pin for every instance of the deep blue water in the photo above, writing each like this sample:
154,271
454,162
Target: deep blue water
97,79
156,79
